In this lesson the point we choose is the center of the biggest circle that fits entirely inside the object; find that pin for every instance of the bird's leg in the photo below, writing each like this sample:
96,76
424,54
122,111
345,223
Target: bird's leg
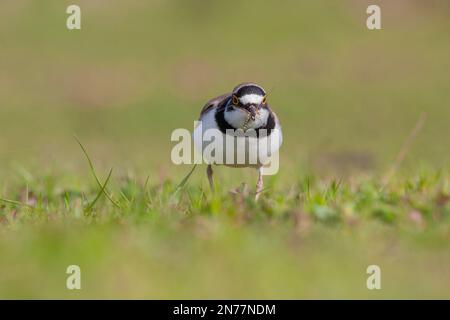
209,172
259,184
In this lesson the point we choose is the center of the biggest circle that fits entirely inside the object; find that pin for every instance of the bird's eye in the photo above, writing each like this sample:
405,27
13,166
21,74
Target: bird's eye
235,100
264,100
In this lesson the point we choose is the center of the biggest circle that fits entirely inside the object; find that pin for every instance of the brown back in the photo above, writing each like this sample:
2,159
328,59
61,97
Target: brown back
214,103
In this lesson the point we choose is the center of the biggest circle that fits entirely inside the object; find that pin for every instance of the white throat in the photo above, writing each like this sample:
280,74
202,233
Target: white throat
238,118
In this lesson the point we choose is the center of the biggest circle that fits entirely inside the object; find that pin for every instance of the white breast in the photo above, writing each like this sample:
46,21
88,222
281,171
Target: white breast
261,148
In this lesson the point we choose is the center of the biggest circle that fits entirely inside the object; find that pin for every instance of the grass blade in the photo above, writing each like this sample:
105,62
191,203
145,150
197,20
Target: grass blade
185,180
102,191
91,166
17,203
405,149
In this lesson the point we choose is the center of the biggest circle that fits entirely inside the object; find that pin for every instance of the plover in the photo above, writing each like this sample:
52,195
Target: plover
244,110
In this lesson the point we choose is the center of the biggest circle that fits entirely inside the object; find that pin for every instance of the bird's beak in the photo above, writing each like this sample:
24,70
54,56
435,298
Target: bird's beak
253,110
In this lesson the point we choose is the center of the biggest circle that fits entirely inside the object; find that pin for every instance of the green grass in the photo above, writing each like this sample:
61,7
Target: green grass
141,227
312,239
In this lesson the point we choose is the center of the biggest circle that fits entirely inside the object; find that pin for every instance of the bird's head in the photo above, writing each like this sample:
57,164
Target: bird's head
249,97
247,106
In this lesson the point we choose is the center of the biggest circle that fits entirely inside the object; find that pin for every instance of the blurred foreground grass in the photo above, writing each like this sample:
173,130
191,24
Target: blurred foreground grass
313,239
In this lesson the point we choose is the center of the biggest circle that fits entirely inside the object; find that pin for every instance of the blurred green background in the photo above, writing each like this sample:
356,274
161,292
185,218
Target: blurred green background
347,98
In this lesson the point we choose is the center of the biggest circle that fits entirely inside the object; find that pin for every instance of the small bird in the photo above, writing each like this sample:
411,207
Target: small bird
245,108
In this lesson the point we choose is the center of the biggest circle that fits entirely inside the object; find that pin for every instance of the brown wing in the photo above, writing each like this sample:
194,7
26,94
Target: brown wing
213,103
